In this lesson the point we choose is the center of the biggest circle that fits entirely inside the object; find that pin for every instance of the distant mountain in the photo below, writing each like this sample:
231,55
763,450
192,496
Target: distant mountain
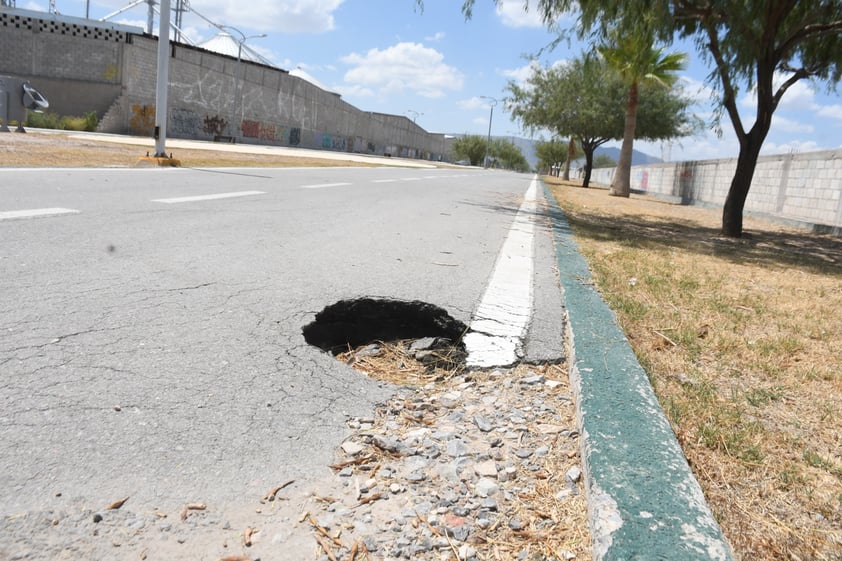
638,158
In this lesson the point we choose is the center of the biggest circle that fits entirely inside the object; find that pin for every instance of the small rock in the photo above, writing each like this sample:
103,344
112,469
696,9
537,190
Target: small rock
466,552
533,380
352,448
523,453
573,474
385,443
485,487
483,424
564,494
394,488
369,350
456,448
486,469
516,524
423,344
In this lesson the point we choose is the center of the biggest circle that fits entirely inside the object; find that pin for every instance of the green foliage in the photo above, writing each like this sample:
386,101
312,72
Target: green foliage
471,147
504,154
550,153
585,99
87,122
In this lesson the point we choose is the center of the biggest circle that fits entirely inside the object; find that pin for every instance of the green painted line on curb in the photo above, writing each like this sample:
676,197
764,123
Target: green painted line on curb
643,500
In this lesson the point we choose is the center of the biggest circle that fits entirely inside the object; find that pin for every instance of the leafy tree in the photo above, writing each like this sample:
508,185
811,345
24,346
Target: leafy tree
585,100
632,53
470,147
603,161
550,153
765,45
507,155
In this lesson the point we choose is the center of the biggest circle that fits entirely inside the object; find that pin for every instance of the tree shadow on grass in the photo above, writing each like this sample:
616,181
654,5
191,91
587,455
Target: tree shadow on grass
817,253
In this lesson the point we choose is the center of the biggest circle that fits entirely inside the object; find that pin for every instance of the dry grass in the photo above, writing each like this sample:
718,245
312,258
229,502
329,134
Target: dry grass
50,150
742,341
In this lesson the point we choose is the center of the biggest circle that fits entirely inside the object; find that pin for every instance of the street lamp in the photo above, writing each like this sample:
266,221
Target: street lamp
490,117
240,43
414,114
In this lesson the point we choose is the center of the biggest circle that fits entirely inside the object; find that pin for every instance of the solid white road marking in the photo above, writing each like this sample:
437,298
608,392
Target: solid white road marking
321,185
410,179
35,213
385,181
207,197
502,317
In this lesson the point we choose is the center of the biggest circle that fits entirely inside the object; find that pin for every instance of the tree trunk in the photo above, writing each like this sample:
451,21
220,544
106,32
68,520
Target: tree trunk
732,212
621,186
571,154
588,150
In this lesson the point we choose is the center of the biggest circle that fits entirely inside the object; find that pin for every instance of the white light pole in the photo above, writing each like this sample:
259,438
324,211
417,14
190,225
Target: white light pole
415,114
162,80
236,100
490,117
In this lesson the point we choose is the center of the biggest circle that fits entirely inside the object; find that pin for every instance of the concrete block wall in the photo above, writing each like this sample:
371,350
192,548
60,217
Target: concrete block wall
272,107
802,189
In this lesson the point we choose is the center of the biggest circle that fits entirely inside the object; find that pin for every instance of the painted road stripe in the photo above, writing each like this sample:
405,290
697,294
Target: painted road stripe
35,213
500,322
207,197
410,179
322,185
385,181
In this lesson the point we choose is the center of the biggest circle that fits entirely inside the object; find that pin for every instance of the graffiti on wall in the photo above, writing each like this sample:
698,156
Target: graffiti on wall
184,122
142,121
256,129
214,125
294,136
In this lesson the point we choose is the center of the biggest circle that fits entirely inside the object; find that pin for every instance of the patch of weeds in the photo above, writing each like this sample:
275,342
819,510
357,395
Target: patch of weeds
814,460
675,411
762,396
791,477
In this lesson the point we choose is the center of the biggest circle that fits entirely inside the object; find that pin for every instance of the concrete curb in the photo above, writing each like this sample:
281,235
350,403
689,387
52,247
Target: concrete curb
643,500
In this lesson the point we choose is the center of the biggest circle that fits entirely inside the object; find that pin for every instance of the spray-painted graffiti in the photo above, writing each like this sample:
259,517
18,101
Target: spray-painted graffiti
142,121
294,136
250,129
267,131
184,122
214,125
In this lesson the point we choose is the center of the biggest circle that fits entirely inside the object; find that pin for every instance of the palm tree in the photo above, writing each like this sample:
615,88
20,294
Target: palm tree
633,55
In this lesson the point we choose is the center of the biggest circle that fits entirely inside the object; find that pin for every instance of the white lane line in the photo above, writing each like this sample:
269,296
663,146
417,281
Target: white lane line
502,317
322,185
410,179
35,213
385,181
174,200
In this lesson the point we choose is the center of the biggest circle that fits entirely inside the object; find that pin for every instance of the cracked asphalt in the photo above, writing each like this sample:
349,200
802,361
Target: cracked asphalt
154,351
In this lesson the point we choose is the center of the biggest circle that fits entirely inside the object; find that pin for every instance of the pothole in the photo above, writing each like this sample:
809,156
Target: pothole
391,340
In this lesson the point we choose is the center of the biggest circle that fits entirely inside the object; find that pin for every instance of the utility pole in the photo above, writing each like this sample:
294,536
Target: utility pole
490,117
162,80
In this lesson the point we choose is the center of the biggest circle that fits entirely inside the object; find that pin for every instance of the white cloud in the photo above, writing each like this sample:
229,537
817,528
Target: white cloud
403,67
290,16
513,14
472,103
832,111
520,75
788,125
438,36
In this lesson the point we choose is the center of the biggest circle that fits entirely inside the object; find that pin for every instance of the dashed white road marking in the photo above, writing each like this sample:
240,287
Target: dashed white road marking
385,181
410,179
35,213
322,185
215,196
502,317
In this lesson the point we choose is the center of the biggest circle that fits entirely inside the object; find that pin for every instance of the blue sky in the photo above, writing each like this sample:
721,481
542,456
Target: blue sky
435,67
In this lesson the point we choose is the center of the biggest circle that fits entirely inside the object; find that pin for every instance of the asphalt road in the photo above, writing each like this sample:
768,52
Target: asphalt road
151,346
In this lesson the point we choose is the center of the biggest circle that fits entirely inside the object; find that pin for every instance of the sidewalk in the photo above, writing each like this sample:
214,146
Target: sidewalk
643,500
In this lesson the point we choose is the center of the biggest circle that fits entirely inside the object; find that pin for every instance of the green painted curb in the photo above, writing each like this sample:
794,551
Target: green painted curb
643,500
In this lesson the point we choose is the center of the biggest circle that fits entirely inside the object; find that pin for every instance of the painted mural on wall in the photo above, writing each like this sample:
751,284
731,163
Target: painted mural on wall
214,125
184,122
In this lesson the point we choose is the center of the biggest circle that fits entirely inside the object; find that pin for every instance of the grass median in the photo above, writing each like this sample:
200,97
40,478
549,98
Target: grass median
742,342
